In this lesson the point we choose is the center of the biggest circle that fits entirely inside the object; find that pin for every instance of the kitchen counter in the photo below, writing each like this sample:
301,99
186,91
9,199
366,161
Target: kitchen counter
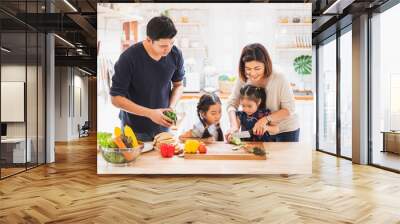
282,158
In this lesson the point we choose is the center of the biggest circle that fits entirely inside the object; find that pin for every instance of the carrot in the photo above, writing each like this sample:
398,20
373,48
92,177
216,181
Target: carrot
118,141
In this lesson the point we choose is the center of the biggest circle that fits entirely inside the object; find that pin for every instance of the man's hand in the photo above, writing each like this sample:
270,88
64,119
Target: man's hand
157,116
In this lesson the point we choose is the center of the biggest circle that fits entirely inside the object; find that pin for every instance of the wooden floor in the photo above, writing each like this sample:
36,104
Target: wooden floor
70,191
387,159
10,171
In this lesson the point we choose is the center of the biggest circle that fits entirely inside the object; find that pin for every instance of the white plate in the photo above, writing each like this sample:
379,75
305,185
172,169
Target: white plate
148,146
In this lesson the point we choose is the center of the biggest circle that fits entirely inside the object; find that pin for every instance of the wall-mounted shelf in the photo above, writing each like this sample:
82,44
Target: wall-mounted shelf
295,24
187,24
294,49
192,48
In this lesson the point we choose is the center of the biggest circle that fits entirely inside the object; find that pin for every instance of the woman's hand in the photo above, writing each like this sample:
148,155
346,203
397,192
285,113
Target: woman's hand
158,117
260,127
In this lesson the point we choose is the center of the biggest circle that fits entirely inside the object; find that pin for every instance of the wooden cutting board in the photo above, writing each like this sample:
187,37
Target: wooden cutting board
223,151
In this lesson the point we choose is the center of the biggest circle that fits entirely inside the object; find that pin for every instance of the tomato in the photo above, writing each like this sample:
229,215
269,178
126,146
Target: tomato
202,148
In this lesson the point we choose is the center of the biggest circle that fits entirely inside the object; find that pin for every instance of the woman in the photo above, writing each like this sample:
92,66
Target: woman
255,68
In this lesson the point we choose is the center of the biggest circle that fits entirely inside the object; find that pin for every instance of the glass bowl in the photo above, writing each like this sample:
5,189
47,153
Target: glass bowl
121,156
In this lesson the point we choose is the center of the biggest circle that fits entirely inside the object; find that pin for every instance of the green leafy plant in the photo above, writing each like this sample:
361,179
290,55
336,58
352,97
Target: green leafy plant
105,140
302,64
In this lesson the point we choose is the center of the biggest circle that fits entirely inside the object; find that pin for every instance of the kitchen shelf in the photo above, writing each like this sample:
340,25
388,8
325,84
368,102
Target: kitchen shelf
192,48
187,24
294,49
295,24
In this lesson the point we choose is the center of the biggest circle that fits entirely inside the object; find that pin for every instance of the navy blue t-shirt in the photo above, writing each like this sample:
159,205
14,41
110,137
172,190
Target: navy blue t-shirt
146,82
247,122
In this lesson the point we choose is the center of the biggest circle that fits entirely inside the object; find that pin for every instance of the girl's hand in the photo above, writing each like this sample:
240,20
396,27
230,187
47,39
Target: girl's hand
260,127
229,133
208,140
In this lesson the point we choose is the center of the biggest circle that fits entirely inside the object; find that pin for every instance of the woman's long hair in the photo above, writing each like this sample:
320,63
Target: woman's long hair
203,106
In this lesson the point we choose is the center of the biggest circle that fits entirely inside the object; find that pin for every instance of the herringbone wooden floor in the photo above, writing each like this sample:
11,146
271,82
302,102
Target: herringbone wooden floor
70,191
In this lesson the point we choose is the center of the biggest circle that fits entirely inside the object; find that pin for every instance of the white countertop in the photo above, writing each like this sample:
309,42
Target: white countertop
282,158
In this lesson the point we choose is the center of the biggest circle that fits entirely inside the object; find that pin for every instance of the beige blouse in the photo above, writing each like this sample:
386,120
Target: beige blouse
279,96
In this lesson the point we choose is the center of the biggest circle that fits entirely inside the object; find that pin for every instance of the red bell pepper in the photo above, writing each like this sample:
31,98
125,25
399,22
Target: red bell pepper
167,150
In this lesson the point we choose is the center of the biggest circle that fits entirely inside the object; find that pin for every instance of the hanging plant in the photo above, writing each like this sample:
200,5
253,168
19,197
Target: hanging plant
302,64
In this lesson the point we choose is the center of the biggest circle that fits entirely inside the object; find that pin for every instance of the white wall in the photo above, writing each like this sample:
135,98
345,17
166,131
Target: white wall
67,114
225,29
14,73
33,127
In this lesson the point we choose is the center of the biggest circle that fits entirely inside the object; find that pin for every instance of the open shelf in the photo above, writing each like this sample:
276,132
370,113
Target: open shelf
294,49
295,24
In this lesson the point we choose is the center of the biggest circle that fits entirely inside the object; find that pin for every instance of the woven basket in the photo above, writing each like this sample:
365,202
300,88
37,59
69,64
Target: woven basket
225,86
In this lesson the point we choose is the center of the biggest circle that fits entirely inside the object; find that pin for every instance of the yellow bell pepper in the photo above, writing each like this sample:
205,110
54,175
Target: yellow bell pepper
129,133
191,146
117,132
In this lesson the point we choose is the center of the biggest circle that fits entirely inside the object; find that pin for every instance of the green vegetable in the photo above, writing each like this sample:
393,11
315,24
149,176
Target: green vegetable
171,115
257,151
114,157
105,140
235,141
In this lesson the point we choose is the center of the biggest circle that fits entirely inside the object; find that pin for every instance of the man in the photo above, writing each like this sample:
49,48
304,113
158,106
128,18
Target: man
141,85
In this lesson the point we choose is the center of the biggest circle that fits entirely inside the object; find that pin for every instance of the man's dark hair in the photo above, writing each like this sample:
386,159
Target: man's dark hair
160,27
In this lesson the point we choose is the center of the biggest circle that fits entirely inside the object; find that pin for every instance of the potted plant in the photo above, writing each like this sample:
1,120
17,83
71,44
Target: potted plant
302,65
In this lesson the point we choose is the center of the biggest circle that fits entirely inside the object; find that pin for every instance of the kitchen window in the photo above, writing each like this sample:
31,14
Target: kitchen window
385,89
346,93
327,96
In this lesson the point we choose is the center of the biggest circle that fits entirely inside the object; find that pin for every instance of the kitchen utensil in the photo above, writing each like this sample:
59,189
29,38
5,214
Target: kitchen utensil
242,134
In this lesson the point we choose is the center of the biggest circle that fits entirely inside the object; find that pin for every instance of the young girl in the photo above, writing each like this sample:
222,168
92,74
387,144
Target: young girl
252,100
209,113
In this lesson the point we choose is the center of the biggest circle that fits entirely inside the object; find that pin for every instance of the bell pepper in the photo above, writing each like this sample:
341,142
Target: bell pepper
129,133
191,146
167,150
117,132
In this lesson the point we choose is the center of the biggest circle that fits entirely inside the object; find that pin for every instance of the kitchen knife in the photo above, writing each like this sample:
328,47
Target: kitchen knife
242,134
